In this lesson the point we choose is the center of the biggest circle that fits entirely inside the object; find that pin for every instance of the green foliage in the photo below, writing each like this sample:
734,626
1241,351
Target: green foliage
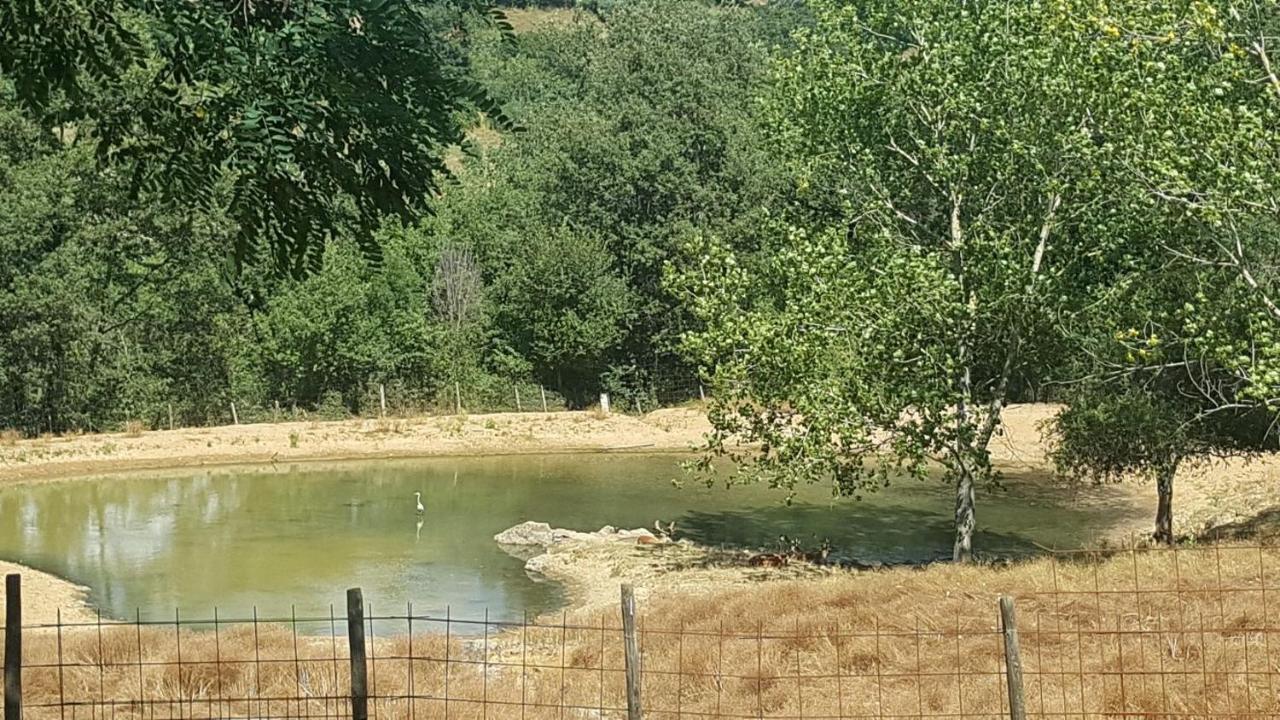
944,219
640,131
94,293
58,51
313,117
1177,361
310,135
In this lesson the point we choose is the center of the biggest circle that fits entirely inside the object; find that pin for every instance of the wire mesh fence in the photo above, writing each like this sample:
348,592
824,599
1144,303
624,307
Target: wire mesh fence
1163,634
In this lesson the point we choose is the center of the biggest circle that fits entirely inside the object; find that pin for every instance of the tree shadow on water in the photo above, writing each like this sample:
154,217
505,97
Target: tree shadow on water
887,535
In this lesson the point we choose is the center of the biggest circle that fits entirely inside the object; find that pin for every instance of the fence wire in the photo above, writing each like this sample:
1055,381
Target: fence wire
1157,634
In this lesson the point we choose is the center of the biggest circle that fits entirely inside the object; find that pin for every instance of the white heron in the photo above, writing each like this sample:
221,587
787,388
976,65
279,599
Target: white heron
418,497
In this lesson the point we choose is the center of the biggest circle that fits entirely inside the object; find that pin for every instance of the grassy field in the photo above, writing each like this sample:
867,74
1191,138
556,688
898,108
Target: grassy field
1160,633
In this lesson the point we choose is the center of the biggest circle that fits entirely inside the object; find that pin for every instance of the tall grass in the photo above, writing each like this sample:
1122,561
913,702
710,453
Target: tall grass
1161,634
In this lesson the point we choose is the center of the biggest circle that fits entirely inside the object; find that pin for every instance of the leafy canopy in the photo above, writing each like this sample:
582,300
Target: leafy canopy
946,166
302,117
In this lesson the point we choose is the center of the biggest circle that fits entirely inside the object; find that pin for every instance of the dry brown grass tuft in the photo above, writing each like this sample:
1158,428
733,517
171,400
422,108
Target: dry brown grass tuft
9,437
134,428
1185,633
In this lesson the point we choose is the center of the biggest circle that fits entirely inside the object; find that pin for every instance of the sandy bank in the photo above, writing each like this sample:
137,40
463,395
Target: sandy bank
43,595
46,458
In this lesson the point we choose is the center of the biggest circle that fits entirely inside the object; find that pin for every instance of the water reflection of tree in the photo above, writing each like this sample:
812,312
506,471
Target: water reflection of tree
138,541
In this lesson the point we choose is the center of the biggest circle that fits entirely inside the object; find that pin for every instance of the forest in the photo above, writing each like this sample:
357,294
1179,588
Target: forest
540,264
866,226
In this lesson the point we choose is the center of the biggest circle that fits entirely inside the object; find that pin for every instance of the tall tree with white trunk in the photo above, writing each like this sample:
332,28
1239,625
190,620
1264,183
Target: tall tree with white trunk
948,166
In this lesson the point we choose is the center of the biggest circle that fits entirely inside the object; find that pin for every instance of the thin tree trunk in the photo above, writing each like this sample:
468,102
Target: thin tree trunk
1164,502
966,518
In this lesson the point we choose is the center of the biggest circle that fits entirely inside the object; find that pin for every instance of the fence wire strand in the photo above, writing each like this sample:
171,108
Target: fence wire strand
1172,635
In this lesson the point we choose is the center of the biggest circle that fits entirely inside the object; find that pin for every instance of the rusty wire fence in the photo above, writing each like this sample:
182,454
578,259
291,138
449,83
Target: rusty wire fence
1156,634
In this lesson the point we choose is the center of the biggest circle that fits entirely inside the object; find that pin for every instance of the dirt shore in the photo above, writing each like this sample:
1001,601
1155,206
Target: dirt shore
56,457
43,595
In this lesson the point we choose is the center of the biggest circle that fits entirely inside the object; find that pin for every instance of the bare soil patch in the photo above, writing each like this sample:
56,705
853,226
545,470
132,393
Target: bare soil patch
673,430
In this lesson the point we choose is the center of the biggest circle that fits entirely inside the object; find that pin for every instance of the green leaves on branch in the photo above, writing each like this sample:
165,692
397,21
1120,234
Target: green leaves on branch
304,118
973,182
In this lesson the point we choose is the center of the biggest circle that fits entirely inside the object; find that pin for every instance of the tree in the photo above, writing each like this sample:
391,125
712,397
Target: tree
566,308
639,129
302,117
945,173
109,311
1146,401
1178,364
457,294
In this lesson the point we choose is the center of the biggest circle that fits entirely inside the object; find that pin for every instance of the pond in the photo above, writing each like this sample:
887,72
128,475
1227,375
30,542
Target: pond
294,537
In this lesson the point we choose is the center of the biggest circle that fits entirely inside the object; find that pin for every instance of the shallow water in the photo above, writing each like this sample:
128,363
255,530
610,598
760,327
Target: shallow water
292,538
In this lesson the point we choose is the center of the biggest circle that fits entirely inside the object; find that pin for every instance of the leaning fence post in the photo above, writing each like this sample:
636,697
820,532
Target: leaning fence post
355,639
13,647
632,658
1012,660
544,397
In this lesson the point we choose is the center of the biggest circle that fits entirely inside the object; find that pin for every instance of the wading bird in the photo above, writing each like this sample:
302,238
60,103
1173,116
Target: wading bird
418,497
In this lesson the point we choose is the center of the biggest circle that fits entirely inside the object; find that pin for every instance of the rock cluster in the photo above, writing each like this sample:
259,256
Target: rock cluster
543,535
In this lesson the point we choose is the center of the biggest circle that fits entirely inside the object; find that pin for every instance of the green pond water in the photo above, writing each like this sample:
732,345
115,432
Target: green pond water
292,538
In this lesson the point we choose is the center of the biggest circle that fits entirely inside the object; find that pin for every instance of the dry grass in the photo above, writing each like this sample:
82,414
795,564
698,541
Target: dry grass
9,437
387,426
1146,634
134,428
529,19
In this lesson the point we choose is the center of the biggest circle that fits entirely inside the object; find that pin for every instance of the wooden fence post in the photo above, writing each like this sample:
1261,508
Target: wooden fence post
382,399
1012,660
604,403
544,397
355,640
632,658
702,394
518,408
13,647
170,416
235,419
457,397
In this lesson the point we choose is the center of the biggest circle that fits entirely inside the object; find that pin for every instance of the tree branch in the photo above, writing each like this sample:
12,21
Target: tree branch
1260,49
1054,201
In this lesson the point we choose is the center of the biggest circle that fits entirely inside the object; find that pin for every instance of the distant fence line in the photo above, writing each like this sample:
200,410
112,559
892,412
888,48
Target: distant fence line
383,400
1187,635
